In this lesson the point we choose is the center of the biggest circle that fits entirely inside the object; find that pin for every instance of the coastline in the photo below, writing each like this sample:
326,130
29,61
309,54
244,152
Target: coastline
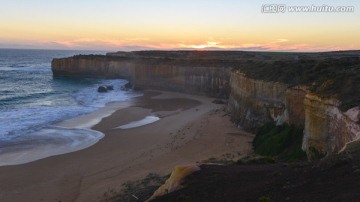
65,136
191,129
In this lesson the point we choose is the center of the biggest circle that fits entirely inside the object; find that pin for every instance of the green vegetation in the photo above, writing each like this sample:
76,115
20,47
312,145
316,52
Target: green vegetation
256,160
223,161
183,198
265,199
283,142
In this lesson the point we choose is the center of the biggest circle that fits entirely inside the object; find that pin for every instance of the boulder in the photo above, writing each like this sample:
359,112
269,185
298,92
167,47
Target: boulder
127,86
102,89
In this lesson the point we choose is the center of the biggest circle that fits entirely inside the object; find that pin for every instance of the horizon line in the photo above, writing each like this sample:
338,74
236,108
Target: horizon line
187,49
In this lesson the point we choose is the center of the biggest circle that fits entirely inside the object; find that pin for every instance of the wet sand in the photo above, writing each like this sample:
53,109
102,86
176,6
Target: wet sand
191,129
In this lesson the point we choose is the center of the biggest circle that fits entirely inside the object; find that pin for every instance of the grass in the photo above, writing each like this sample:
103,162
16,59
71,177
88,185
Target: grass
265,199
283,142
223,161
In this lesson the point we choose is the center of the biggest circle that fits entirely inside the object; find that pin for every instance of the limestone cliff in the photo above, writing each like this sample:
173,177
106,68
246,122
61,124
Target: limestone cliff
328,129
92,67
150,73
253,102
211,81
271,90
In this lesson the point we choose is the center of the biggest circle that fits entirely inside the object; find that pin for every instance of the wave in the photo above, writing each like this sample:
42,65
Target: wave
46,142
52,108
32,102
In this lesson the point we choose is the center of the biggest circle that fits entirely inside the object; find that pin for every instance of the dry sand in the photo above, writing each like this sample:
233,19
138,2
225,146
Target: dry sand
191,129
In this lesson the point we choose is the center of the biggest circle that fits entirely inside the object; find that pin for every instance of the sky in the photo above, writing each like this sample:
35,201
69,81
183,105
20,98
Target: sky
127,25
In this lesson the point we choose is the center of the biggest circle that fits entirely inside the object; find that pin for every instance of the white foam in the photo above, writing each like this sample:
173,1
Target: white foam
19,122
145,121
67,136
45,143
87,121
89,97
28,137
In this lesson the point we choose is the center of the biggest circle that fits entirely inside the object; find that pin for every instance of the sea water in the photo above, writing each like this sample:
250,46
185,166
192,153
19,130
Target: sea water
145,121
32,101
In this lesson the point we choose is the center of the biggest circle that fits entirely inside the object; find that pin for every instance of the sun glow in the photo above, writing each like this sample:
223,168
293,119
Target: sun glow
206,45
201,25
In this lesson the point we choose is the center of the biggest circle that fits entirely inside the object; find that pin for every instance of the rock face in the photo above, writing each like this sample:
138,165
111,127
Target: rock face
198,80
328,129
211,81
92,67
294,103
252,102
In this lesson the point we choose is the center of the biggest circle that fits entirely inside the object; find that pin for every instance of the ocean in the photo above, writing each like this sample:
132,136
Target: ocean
32,102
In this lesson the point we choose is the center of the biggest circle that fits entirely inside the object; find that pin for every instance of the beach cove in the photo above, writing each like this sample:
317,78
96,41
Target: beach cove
187,128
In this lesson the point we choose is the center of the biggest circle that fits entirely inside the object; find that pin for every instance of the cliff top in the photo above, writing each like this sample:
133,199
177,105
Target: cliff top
328,74
232,55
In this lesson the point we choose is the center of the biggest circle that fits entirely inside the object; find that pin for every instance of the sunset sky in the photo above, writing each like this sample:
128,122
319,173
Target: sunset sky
176,24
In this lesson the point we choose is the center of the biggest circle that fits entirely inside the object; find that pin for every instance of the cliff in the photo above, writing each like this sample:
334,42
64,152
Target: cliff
196,77
319,92
327,129
253,102
92,67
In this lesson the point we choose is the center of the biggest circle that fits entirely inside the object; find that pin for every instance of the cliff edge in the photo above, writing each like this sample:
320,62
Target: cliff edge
317,91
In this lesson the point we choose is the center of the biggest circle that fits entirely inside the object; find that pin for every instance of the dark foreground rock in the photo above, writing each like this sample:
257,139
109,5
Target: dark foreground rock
333,179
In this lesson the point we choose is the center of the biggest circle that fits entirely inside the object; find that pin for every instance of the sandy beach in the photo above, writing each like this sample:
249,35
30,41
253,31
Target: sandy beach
191,129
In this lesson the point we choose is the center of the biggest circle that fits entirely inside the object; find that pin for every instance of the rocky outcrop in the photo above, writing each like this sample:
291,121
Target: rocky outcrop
328,129
253,102
175,180
102,89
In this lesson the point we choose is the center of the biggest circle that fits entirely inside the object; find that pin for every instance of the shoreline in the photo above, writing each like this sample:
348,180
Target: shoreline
191,129
51,140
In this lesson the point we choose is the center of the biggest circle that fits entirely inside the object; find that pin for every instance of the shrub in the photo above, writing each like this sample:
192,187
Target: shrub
283,142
